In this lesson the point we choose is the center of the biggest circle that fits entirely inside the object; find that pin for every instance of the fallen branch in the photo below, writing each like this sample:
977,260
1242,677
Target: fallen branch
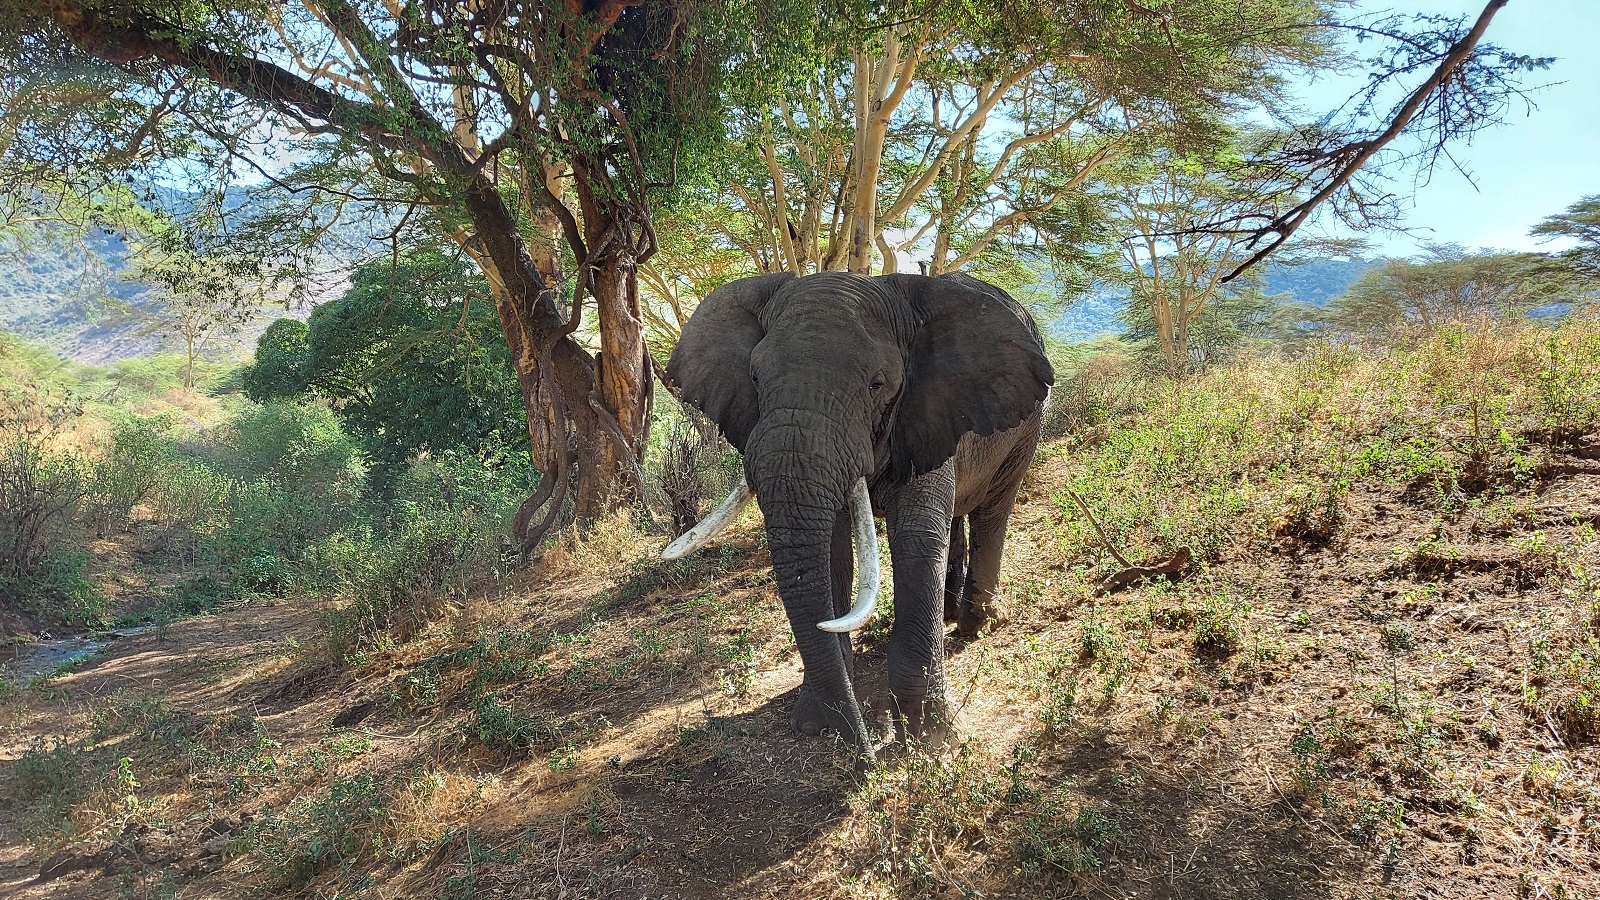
1130,573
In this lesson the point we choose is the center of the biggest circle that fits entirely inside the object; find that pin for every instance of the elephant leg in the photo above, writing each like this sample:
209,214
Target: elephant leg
842,567
986,541
919,515
955,577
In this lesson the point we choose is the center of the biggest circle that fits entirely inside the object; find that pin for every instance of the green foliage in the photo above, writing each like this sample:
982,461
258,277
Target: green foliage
1231,323
44,482
1569,381
1446,285
46,782
295,445
1270,447
1580,223
280,368
315,832
411,360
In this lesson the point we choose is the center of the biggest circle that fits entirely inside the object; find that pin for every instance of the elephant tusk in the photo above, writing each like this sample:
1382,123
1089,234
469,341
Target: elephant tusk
865,541
712,525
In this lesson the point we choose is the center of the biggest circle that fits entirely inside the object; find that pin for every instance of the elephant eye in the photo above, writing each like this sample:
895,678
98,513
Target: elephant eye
877,384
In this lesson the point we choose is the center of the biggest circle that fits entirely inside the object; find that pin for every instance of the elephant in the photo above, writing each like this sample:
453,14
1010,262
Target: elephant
913,398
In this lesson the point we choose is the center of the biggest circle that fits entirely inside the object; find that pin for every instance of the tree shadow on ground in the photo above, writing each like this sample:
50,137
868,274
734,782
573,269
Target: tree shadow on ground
1185,829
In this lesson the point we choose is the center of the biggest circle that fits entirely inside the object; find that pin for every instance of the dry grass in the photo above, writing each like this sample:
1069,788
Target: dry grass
1379,679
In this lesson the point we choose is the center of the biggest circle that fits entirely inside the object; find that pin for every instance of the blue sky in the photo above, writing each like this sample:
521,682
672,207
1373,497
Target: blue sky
1535,164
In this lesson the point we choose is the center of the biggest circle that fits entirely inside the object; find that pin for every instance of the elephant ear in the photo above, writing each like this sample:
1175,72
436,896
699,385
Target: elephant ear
710,367
975,364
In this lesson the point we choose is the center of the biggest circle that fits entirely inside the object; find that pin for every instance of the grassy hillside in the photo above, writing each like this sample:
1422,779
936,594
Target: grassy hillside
77,295
1380,677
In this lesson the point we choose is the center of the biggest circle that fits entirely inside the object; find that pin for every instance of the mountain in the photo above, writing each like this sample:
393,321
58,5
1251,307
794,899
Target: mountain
1095,313
74,292
1317,281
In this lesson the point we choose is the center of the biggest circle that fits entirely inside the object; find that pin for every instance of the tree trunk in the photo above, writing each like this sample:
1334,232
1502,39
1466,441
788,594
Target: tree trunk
620,401
188,361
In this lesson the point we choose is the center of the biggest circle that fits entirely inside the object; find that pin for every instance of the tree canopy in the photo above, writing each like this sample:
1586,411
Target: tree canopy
410,358
550,142
1447,284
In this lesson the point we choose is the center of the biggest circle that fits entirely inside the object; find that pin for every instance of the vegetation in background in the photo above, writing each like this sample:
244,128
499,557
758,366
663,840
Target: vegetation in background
1580,223
1446,285
245,500
411,360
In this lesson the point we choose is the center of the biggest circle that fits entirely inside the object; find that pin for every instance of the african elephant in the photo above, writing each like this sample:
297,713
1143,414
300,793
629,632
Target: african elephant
924,394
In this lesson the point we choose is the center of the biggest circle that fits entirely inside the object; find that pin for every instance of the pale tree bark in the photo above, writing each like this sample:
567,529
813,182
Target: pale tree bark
826,205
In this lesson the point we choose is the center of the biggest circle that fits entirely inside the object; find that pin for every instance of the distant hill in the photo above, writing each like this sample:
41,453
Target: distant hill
1318,281
1095,313
65,290
71,292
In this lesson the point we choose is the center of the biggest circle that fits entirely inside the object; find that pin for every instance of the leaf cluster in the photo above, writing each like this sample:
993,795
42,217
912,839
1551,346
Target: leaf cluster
410,358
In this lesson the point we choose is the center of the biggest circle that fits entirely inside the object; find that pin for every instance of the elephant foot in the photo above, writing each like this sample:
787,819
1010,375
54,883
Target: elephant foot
930,723
952,608
815,715
977,618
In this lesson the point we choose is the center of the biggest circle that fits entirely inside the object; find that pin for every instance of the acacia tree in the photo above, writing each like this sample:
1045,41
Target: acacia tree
202,297
955,126
1579,223
513,129
1446,284
1174,265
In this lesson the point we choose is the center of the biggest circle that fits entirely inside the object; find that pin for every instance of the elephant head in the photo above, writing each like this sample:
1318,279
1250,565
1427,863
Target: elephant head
832,383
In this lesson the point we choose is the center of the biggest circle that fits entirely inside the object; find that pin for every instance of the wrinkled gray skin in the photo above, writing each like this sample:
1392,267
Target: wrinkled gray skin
931,388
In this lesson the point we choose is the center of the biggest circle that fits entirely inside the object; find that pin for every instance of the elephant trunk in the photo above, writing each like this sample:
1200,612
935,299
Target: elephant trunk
864,541
799,464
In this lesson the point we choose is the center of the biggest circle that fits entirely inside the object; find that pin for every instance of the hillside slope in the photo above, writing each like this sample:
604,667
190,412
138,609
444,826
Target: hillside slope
76,294
1382,678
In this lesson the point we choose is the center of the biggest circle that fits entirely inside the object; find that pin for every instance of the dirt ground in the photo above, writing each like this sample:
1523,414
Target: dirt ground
1395,712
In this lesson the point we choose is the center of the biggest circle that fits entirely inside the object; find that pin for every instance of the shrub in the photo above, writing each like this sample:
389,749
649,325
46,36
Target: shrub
343,827
1094,383
690,464
46,782
42,488
298,446
131,466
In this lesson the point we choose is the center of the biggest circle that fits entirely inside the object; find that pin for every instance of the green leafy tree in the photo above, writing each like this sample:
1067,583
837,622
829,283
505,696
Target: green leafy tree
1579,223
280,367
1164,210
1446,284
538,137
410,358
955,129
1235,320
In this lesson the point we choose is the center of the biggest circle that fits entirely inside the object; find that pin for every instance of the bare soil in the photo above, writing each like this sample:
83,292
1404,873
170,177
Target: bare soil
1372,721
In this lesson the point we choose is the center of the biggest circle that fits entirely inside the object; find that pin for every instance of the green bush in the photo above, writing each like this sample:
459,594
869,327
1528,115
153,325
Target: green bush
297,445
343,827
191,499
46,782
396,583
130,467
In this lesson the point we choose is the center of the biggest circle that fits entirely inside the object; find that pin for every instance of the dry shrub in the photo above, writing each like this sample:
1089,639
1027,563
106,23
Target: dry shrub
609,546
428,811
691,467
1106,385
